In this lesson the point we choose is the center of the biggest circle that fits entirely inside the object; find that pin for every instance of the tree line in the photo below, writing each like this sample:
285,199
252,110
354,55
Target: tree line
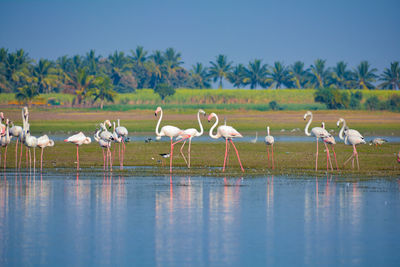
102,77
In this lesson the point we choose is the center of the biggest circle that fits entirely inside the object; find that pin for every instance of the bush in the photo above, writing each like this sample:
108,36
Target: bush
332,98
273,105
355,100
393,103
164,90
372,103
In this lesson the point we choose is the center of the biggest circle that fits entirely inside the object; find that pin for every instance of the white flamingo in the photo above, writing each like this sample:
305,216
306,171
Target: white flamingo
192,132
108,137
226,132
118,139
30,142
350,137
78,140
2,126
42,142
171,132
17,132
25,118
122,132
5,140
104,145
330,140
317,132
269,141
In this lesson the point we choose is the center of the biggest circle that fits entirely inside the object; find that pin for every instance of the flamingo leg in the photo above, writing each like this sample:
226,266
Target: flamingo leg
41,159
172,151
113,157
30,160
26,155
272,158
109,152
34,159
104,159
226,153
316,158
16,154
358,164
328,158
107,159
77,157
5,157
119,156
20,156
123,152
237,154
183,154
334,154
351,157
190,143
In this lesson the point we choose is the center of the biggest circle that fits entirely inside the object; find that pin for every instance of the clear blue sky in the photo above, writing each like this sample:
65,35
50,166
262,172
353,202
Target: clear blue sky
284,30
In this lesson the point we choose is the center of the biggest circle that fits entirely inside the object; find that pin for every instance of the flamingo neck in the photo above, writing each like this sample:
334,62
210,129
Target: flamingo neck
117,124
268,130
342,130
158,124
201,126
215,136
308,125
96,135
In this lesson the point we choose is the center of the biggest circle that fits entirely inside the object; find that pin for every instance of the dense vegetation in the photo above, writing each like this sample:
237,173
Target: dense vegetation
93,78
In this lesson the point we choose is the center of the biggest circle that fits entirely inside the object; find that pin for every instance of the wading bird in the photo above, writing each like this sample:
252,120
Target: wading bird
78,140
330,140
171,132
317,132
42,142
30,142
122,133
350,137
226,132
269,141
378,141
17,132
192,132
103,144
5,140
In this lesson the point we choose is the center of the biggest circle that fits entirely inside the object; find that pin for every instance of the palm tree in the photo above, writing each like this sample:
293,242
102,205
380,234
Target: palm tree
139,56
391,77
172,61
340,76
16,68
219,69
102,89
298,75
91,61
320,73
120,66
237,76
156,68
44,75
364,76
81,82
26,93
199,76
255,73
279,75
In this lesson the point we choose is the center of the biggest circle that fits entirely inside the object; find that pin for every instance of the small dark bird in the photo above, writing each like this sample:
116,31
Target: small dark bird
148,140
165,155
127,140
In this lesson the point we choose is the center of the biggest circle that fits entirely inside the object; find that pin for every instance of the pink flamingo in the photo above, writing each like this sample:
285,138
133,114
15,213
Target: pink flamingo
42,142
330,140
122,133
5,140
269,141
17,132
78,139
317,132
350,137
192,132
171,132
226,132
103,144
2,126
30,142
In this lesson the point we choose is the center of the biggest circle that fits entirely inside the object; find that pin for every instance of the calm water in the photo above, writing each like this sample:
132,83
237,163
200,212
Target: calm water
152,221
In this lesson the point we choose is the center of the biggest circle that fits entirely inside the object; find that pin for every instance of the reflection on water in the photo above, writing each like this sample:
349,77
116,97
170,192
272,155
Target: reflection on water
105,218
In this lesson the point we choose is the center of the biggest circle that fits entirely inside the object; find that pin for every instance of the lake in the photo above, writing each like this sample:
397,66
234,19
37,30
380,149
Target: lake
55,219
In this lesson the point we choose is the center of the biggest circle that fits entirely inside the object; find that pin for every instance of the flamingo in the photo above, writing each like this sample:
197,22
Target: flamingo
317,132
17,132
103,144
330,140
108,137
5,140
269,141
2,126
226,132
255,138
42,142
122,132
117,139
30,142
351,137
25,119
192,132
78,139
171,132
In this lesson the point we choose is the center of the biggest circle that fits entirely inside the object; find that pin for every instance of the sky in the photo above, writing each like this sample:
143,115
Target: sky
271,30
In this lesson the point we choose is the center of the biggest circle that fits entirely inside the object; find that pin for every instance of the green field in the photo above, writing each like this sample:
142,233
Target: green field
288,99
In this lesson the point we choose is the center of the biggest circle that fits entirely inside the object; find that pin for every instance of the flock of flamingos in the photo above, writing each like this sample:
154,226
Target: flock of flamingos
120,134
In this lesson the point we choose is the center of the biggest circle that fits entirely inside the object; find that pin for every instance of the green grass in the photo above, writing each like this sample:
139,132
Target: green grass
207,159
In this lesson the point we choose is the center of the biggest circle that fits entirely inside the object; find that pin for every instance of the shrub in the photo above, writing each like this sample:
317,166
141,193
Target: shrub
355,100
273,105
372,103
332,98
393,103
164,90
